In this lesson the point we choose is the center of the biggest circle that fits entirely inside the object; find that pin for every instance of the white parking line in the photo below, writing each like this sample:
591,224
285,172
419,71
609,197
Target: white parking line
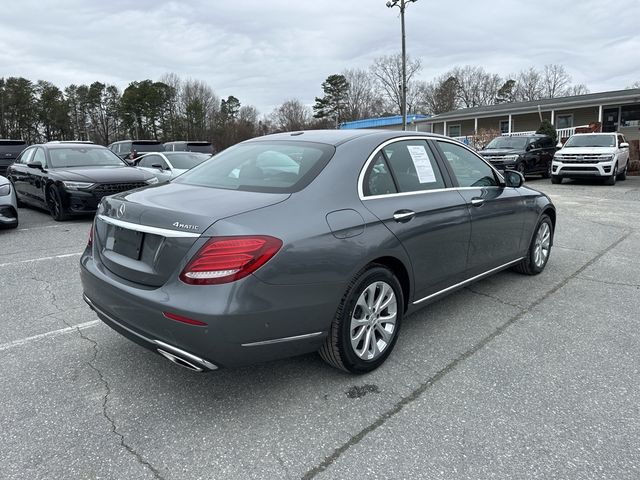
41,259
55,333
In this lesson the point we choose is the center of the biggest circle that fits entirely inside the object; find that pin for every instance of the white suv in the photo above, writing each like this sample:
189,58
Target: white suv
588,155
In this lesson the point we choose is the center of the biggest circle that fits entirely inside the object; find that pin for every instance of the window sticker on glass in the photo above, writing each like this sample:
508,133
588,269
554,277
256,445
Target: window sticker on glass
421,161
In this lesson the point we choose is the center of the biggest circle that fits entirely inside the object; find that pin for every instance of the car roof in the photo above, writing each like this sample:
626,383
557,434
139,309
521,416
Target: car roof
338,137
597,133
68,145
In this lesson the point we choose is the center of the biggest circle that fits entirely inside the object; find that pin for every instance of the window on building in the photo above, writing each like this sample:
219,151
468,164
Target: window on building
504,126
454,131
631,116
564,121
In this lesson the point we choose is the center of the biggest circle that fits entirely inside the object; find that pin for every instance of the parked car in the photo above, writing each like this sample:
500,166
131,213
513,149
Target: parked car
528,154
167,165
592,155
8,205
69,179
129,150
215,269
9,151
192,146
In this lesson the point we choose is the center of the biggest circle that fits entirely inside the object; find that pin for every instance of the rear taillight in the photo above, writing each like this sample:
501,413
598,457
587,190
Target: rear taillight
227,259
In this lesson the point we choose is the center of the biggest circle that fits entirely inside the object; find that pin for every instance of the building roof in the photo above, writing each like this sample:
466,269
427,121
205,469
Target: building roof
590,99
381,122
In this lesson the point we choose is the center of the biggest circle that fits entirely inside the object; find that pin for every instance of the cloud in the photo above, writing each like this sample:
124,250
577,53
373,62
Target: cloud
266,52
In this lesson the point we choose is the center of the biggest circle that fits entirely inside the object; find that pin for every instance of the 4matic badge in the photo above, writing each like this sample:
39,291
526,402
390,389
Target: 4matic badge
185,226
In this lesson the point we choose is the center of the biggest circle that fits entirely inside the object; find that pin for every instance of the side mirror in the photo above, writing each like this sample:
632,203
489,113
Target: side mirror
513,179
35,165
624,145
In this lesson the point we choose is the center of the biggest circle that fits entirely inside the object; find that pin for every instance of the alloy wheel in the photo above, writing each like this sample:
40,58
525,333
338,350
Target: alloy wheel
373,322
542,244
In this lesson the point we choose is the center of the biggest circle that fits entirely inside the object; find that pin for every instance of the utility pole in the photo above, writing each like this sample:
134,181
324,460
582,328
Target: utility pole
402,5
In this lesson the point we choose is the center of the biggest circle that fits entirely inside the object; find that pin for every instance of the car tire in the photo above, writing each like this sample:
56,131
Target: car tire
611,180
357,330
623,175
539,248
54,202
556,180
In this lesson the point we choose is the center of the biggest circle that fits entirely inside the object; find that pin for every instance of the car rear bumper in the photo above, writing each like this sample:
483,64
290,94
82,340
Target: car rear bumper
248,321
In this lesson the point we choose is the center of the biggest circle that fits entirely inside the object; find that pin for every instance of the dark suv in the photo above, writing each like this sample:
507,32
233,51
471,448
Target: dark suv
129,150
9,151
193,146
528,154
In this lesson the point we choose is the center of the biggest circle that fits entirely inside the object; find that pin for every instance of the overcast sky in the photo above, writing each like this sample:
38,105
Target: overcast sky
268,51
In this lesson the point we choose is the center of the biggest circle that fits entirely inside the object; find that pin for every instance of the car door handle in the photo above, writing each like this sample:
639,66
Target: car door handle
402,216
477,202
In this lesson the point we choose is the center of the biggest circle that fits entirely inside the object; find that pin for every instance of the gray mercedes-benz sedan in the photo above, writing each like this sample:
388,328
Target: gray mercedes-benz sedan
307,241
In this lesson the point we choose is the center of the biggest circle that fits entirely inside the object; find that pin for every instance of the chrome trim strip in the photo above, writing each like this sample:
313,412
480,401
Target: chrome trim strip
166,346
421,192
165,232
469,280
284,339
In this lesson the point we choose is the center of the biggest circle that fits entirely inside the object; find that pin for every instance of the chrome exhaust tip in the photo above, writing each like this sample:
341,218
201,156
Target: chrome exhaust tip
180,361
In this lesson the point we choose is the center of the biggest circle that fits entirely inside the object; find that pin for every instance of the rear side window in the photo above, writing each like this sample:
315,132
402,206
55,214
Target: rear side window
470,170
25,157
276,167
378,180
413,166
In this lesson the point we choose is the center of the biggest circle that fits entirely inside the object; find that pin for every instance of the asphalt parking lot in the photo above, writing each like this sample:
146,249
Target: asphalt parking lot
514,377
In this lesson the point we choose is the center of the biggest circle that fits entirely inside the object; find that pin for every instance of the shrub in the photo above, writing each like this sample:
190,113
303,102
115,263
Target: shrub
547,128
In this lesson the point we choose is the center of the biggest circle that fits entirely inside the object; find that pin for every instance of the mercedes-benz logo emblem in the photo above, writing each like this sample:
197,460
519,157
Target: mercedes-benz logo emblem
120,212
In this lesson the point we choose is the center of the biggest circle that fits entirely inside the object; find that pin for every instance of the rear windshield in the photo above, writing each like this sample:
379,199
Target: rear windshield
508,142
83,157
147,147
275,167
11,148
186,160
200,147
591,141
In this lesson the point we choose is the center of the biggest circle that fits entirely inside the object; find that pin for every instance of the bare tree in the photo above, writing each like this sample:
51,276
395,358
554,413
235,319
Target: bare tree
291,115
578,89
199,105
388,73
362,101
476,87
438,96
529,86
555,80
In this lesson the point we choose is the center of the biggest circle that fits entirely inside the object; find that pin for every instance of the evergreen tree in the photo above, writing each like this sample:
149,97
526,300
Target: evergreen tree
335,89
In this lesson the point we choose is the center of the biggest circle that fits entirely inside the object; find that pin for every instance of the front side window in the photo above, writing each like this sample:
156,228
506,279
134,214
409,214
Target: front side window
470,170
39,156
262,166
150,160
187,160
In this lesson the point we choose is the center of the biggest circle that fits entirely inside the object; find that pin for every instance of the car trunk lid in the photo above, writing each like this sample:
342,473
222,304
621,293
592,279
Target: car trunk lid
146,236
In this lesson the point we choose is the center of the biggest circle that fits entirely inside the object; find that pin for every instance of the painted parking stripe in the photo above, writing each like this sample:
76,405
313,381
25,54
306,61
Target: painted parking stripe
55,333
41,259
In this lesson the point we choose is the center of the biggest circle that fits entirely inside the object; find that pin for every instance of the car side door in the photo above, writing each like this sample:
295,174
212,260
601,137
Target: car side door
37,177
497,212
405,186
623,153
18,173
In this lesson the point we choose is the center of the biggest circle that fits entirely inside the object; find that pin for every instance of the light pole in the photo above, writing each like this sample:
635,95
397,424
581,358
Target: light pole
402,4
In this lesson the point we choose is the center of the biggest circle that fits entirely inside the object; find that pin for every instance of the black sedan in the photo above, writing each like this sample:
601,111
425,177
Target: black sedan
71,179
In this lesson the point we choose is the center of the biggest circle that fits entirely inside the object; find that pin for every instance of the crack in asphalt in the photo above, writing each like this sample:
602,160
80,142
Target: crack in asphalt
435,378
497,299
105,398
606,282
